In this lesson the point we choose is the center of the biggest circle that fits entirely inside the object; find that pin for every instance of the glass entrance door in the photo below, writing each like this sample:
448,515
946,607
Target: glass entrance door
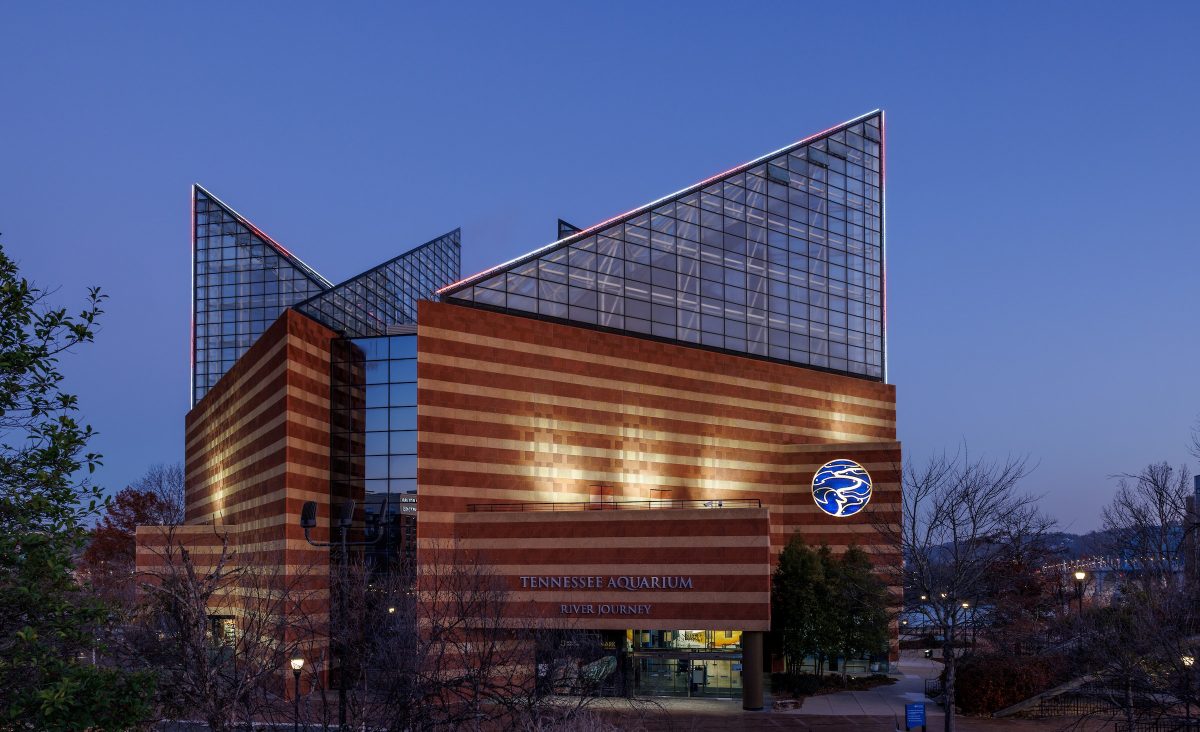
687,675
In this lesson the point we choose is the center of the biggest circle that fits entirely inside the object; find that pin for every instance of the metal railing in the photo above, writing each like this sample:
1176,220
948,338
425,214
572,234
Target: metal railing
1162,724
656,503
1091,699
933,687
1076,703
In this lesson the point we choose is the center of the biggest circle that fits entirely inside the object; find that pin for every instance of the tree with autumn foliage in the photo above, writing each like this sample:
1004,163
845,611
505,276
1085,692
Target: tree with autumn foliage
108,562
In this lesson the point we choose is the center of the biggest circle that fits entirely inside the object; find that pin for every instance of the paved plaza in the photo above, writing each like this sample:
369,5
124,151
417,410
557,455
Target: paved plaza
880,709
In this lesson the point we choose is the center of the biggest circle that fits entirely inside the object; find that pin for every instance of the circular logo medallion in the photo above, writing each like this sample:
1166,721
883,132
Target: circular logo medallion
841,488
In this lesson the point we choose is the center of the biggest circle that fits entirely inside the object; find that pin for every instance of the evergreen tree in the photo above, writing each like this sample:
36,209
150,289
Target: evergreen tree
796,602
47,622
860,603
828,622
825,606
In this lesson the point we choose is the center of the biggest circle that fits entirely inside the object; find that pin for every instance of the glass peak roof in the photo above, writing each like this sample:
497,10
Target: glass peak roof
243,280
781,258
385,296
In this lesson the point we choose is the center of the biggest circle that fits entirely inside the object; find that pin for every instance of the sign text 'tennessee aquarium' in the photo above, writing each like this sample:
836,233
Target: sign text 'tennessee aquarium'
602,582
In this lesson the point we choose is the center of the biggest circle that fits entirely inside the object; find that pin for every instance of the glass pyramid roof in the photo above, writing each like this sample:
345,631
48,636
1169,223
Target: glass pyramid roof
386,295
243,280
780,258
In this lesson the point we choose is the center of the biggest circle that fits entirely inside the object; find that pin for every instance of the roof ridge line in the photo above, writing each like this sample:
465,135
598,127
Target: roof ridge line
319,278
381,265
466,281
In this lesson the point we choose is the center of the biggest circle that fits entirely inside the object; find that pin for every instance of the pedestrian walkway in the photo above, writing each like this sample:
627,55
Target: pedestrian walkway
880,709
864,709
882,701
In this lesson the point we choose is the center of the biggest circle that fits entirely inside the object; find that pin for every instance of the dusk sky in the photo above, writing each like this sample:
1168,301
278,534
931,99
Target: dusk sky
1042,247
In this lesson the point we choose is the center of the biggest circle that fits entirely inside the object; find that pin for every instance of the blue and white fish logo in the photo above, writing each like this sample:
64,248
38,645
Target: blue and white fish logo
841,488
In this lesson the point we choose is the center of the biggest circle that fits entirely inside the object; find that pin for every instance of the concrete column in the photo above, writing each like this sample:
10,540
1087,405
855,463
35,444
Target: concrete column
752,670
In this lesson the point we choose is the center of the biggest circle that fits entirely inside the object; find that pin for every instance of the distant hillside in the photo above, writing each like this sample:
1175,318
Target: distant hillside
1074,546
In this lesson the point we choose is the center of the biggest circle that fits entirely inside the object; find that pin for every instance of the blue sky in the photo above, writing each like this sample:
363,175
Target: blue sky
1042,247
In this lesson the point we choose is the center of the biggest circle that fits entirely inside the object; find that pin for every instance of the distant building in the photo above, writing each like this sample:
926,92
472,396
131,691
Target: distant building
1191,545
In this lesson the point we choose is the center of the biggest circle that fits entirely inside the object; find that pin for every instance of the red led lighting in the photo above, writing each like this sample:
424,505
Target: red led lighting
262,235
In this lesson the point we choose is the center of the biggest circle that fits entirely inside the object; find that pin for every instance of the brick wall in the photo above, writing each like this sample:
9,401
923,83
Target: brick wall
718,562
256,448
514,409
518,409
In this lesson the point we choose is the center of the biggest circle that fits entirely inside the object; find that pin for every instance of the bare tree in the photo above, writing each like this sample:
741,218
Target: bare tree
960,520
1139,649
219,629
1146,525
1137,655
165,480
439,648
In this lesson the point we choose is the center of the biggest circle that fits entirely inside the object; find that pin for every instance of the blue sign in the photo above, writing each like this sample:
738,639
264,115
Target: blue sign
841,488
914,715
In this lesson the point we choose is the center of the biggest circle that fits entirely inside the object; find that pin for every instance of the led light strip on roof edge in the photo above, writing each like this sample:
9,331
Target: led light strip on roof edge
883,280
449,289
317,277
192,304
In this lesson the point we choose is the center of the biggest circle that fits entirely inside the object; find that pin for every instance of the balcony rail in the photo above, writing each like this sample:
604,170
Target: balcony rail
656,503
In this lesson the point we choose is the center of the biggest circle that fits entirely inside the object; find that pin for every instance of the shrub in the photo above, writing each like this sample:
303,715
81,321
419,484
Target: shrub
799,685
796,684
989,682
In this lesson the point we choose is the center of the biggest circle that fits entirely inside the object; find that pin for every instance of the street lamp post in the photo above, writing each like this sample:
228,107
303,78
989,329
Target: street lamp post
342,519
1080,576
1188,662
297,664
950,610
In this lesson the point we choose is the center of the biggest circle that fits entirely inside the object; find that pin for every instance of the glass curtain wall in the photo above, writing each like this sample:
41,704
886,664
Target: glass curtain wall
242,282
374,439
783,259
384,296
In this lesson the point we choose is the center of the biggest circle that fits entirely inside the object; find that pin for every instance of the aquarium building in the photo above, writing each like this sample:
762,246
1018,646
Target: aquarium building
626,424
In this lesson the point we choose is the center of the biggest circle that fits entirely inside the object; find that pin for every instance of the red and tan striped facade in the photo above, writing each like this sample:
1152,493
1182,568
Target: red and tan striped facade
257,448
616,570
516,409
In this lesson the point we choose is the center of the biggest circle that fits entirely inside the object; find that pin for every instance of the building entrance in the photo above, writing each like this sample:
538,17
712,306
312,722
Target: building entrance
687,663
687,675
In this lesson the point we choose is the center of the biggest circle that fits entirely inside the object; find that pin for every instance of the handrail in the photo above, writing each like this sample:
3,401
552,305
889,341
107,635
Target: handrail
656,503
